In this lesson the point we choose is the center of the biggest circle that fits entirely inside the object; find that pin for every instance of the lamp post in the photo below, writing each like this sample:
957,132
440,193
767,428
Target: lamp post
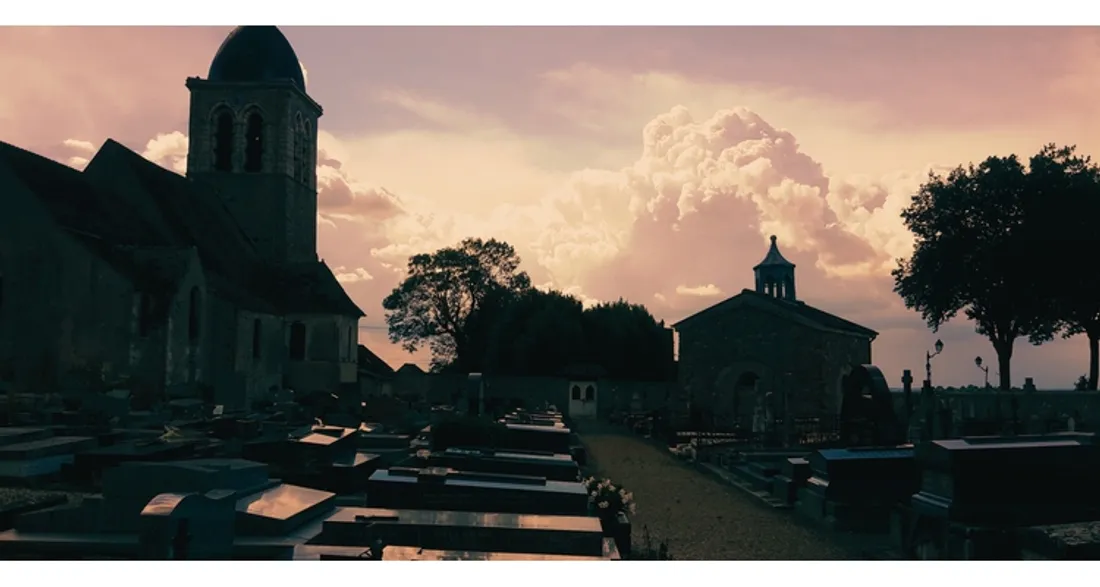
928,361
978,362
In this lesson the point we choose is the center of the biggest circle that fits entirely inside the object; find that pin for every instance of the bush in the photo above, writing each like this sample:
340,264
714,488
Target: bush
468,432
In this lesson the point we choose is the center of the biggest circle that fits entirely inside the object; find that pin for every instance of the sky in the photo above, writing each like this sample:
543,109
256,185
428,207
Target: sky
645,163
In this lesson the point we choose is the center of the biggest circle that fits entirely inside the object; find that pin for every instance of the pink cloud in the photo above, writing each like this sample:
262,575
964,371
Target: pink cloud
676,226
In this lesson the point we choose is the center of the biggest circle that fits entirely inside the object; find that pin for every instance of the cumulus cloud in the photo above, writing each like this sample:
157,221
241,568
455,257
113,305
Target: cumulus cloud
344,275
80,146
680,226
703,291
168,150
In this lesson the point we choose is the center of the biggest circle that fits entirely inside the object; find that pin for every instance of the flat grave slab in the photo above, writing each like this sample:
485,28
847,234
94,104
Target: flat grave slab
280,509
1024,480
537,438
12,435
413,553
447,489
451,530
37,458
556,467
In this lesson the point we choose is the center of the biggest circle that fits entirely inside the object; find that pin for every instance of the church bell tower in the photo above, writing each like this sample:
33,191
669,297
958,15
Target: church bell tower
775,274
253,138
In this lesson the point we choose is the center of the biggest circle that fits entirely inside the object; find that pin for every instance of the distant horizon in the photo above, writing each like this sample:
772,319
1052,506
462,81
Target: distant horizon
645,163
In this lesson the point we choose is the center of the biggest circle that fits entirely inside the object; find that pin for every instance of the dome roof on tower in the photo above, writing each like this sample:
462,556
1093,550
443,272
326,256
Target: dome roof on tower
774,258
256,54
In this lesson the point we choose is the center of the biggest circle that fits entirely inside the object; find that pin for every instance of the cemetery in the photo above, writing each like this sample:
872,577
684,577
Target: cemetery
286,483
894,476
906,474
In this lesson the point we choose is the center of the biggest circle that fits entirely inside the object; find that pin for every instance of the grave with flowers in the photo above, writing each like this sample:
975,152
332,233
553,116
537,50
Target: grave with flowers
613,505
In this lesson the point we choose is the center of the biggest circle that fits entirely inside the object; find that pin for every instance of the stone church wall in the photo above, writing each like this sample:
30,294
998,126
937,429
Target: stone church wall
799,365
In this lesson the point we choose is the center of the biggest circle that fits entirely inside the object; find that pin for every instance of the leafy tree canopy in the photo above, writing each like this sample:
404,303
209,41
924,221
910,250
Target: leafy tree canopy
443,289
982,237
478,313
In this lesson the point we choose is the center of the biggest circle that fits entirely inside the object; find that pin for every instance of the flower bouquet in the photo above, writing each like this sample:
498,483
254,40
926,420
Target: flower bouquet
608,499
612,504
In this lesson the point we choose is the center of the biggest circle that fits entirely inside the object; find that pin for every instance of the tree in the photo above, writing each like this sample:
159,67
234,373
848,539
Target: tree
972,254
535,333
443,289
1063,206
627,341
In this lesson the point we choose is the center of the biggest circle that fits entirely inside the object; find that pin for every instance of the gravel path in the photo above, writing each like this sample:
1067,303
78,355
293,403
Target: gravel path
700,517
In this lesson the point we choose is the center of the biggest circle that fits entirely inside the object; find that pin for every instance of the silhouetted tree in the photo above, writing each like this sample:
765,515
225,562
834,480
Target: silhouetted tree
443,289
627,341
973,254
534,333
1062,210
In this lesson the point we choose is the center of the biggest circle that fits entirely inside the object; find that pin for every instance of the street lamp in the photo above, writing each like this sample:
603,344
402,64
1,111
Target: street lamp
978,362
928,361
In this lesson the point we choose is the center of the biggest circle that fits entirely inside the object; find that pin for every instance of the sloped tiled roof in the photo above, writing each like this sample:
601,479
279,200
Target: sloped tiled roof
146,236
372,363
74,203
819,318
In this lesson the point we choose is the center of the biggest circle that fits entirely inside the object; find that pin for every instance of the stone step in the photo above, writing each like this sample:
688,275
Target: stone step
730,478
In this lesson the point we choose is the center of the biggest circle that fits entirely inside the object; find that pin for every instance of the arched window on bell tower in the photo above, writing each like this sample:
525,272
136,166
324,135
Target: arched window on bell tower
254,143
223,140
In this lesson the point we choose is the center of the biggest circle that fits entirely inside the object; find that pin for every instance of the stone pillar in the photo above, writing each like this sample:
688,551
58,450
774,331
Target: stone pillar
907,387
928,412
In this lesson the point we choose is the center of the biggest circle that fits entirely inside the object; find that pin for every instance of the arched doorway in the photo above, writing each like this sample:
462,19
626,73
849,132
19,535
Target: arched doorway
745,397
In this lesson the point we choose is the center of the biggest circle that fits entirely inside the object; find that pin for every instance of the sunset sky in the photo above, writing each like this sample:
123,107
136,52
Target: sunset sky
643,163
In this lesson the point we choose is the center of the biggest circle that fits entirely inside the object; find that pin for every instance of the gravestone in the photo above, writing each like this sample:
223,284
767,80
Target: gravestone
33,453
475,394
793,475
555,467
867,416
526,437
856,488
447,489
188,526
457,530
977,493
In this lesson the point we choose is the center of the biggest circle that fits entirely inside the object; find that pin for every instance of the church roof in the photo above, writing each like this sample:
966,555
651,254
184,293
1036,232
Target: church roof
774,258
256,54
75,204
372,363
147,232
810,315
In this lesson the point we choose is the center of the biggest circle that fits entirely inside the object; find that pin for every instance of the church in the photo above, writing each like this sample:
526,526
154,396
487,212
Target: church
764,354
207,285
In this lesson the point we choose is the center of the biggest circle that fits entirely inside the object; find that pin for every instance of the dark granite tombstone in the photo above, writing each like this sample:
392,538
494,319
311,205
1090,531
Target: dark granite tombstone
475,395
91,464
977,493
555,467
188,526
792,476
415,553
867,416
457,530
1022,480
856,488
536,438
28,453
447,489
